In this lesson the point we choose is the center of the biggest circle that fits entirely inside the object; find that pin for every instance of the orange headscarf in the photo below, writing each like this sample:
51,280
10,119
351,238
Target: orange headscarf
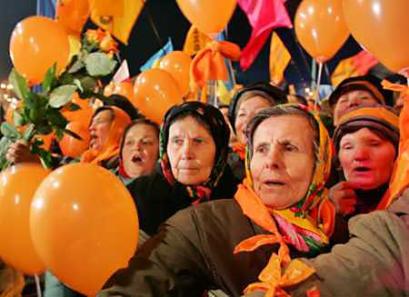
111,146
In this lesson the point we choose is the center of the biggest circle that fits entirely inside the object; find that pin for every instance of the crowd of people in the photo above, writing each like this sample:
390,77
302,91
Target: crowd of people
258,198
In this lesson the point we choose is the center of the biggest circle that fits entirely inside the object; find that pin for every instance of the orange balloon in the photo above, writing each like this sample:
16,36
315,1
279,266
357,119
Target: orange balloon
72,14
82,115
320,27
124,88
379,26
71,146
36,44
84,225
177,63
17,187
156,91
208,16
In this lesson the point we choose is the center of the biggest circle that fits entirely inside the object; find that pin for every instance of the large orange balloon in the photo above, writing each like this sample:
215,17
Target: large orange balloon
177,63
156,91
36,44
71,146
84,225
209,16
320,27
17,187
379,26
72,14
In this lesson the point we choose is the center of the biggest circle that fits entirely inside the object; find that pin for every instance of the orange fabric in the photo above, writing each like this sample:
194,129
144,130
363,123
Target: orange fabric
111,147
400,175
281,271
209,62
239,149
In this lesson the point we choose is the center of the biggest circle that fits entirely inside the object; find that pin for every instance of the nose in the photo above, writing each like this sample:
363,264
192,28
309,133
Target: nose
274,158
360,154
187,149
353,101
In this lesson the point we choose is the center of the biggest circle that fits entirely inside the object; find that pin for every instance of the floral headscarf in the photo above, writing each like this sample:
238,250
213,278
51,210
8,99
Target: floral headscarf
305,226
220,133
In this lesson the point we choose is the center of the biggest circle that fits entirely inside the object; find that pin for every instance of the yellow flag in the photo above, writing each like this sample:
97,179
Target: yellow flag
345,69
222,92
279,59
195,41
117,17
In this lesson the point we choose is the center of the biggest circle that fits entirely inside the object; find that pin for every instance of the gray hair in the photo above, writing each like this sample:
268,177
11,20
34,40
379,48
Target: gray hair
281,110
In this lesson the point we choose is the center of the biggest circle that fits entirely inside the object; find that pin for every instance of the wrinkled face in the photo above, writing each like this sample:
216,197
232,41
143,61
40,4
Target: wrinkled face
350,100
282,164
247,110
366,159
140,150
99,129
191,151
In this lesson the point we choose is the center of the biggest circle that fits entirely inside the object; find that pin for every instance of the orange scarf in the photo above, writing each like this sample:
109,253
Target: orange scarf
240,149
400,176
110,148
281,271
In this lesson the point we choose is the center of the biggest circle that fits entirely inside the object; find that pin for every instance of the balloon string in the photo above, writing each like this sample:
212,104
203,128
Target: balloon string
317,93
38,287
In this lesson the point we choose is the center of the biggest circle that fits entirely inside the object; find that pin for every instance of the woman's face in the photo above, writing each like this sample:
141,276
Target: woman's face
99,129
140,150
350,100
247,110
191,151
282,164
366,159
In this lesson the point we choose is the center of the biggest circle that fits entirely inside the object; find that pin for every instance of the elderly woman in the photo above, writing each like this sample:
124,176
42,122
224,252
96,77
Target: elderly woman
367,142
244,106
279,211
192,168
355,92
139,150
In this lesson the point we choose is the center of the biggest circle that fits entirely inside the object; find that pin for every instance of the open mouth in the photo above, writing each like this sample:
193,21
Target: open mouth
362,169
273,183
137,159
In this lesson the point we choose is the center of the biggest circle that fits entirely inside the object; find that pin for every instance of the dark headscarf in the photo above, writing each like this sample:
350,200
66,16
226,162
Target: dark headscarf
271,93
213,119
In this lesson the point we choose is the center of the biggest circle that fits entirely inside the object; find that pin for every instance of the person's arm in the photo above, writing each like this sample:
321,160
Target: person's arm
373,263
169,264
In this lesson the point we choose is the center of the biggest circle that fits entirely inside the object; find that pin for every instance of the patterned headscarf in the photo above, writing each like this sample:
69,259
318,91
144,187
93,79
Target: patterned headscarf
220,132
305,225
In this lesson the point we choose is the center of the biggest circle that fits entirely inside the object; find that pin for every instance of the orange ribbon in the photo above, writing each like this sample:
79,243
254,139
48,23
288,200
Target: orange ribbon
240,149
281,271
209,64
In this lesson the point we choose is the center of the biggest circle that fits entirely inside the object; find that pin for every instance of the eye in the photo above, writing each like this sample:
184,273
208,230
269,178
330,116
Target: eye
241,114
198,140
177,141
129,142
290,147
374,143
261,149
346,146
147,141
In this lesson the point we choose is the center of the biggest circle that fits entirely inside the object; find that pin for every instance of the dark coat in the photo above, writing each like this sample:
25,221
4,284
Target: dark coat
157,200
193,252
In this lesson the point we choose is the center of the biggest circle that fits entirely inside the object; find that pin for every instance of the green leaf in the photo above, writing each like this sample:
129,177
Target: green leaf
19,83
18,119
62,95
4,145
99,64
50,78
88,83
59,133
72,134
74,107
77,82
9,131
77,66
56,118
29,133
45,155
44,129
